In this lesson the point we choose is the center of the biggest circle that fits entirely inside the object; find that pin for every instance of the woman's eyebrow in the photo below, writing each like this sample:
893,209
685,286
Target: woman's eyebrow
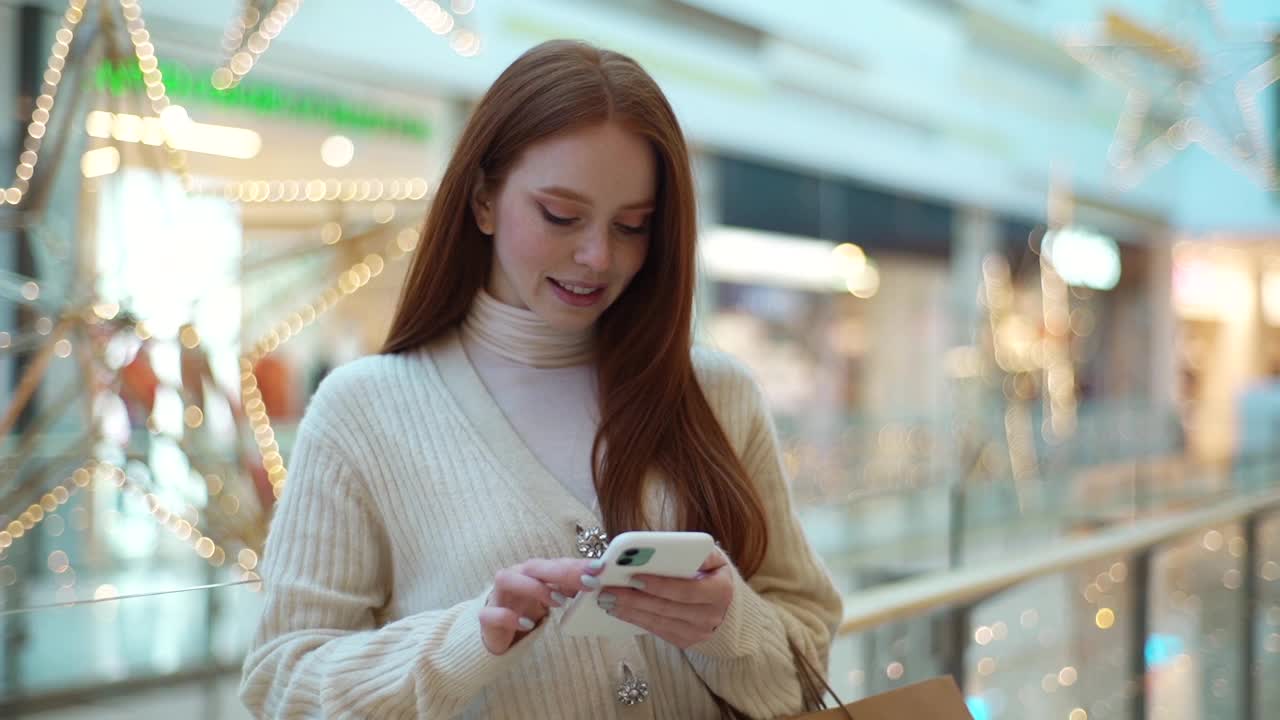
575,196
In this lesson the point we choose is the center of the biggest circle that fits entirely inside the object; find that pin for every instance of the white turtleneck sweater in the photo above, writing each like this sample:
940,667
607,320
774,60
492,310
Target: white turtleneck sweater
534,373
415,477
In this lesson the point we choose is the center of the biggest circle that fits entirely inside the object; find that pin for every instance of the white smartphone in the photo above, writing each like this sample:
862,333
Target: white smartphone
668,554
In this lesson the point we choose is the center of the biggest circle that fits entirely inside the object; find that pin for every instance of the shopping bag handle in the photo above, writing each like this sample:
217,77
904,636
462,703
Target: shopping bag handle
813,688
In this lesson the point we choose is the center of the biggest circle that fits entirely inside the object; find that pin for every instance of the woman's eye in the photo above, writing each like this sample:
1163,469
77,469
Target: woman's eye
556,219
632,229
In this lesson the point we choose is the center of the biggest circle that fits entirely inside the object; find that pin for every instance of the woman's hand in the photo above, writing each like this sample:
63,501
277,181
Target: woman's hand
523,595
682,612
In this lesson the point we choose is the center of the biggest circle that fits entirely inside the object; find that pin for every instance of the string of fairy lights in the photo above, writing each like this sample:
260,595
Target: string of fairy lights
349,281
245,47
172,116
56,497
1055,302
182,524
1059,372
1017,355
193,417
439,21
237,29
255,44
251,33
36,129
319,190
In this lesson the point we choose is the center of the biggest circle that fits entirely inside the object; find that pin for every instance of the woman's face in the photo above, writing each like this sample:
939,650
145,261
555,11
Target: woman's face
571,223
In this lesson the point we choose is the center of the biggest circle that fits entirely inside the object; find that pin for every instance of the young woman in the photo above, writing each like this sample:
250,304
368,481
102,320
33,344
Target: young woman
539,391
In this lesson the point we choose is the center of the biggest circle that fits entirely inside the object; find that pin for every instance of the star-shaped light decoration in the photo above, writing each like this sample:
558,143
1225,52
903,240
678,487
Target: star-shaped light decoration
109,344
1193,81
74,323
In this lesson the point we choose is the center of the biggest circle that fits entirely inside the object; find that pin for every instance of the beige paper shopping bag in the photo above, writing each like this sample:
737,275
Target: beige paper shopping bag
936,699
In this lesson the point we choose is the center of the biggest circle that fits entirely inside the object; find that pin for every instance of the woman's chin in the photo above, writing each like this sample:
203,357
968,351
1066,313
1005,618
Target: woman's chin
570,322
567,318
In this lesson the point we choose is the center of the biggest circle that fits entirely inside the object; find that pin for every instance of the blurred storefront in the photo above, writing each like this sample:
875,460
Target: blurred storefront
1226,292
858,309
835,294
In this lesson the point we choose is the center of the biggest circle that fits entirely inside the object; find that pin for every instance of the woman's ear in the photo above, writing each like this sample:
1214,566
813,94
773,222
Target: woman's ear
482,207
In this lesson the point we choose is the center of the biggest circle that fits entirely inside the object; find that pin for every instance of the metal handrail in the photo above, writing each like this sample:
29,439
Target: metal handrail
866,609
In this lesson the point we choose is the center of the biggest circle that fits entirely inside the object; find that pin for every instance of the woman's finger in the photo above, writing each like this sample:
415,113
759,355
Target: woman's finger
516,590
568,575
675,631
698,615
714,561
710,589
499,627
502,618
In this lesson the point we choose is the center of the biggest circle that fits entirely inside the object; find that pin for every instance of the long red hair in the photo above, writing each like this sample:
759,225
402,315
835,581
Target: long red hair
654,414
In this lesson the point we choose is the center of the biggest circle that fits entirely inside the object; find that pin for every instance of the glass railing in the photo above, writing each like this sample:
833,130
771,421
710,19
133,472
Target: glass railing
1172,613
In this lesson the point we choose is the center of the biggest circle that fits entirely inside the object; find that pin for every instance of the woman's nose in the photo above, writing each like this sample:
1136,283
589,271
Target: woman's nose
595,251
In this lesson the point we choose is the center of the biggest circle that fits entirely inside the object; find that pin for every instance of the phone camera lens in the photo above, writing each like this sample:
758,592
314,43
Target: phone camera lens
632,551
624,561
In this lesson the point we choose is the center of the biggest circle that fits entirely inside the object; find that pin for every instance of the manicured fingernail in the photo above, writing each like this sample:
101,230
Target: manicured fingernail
597,564
591,581
526,624
606,599
636,583
558,599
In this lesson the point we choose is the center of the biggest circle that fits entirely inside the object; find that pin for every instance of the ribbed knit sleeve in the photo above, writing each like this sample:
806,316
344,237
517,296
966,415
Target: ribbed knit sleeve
747,661
318,651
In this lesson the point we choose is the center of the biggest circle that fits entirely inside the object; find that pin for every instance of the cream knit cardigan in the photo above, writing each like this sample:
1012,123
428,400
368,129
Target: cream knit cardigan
408,489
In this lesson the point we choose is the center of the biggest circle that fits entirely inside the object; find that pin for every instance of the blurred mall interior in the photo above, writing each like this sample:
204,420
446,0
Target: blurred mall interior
1007,272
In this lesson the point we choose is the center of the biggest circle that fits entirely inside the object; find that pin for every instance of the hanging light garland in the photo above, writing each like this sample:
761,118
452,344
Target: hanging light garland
319,190
153,81
238,28
348,282
1059,371
246,48
48,503
175,522
438,20
1015,359
172,117
44,104
230,75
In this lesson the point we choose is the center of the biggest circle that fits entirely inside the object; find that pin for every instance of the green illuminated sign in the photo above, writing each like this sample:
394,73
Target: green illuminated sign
183,86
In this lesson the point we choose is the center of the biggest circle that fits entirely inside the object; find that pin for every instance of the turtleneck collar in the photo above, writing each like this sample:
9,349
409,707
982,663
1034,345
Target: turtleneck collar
521,336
